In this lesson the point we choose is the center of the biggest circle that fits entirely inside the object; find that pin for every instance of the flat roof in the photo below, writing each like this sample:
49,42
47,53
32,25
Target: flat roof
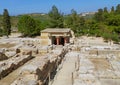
56,30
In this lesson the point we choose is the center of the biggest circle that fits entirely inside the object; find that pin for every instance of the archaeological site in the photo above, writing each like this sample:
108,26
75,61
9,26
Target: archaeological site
60,42
58,58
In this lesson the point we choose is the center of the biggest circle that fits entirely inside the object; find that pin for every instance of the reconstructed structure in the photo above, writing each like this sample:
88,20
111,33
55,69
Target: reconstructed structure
57,36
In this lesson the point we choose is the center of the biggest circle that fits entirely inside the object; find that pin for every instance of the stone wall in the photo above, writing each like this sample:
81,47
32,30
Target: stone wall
13,63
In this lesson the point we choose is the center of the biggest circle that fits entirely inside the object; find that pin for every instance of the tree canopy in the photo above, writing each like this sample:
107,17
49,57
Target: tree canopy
56,18
27,25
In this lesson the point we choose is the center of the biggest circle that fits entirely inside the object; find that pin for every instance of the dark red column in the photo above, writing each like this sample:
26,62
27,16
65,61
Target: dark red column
65,40
57,40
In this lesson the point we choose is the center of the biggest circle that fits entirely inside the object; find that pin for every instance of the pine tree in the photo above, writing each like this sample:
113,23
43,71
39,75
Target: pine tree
6,23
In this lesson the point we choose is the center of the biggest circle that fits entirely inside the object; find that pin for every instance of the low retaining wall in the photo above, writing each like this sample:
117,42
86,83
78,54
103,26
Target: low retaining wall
104,52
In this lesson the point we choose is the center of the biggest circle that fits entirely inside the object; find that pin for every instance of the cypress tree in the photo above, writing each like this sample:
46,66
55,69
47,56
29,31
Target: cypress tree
112,9
6,23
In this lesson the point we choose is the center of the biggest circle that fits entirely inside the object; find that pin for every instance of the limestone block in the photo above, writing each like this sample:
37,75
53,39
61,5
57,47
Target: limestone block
88,78
26,80
2,50
78,82
106,74
10,53
26,51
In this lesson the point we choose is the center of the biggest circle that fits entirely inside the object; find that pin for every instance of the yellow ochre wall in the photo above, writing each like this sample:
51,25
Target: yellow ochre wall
45,40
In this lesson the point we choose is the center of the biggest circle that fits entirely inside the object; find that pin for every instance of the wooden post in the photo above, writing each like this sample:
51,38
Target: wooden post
72,79
75,65
97,52
56,63
78,62
49,78
65,40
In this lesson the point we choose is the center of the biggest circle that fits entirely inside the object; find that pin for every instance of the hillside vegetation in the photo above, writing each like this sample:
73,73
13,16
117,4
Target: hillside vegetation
104,23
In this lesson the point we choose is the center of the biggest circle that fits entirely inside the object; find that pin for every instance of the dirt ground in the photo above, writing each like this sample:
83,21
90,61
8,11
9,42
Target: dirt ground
100,64
110,81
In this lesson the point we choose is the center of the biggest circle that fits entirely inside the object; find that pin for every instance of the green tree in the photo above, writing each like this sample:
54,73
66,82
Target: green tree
6,23
39,27
74,15
118,9
105,10
112,9
27,25
56,18
117,29
82,20
75,22
114,20
1,32
68,21
99,15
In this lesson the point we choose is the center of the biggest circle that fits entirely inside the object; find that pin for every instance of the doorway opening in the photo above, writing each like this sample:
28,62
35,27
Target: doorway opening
58,40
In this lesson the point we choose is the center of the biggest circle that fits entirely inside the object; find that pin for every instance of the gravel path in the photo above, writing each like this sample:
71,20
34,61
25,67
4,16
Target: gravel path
64,76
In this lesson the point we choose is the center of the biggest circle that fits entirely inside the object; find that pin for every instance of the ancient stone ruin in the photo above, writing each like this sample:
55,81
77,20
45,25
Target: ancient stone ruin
87,61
